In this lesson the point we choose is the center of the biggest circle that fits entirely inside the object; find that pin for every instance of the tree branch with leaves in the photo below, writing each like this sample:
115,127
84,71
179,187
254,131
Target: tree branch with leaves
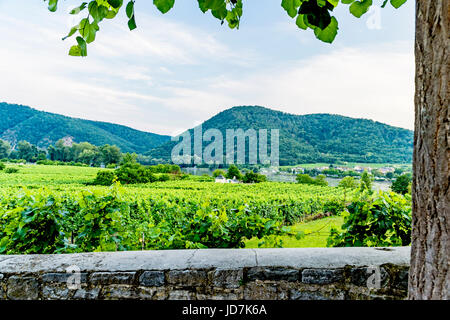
308,14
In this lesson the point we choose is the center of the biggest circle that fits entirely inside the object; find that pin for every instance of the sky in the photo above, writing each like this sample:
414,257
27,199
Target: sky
179,69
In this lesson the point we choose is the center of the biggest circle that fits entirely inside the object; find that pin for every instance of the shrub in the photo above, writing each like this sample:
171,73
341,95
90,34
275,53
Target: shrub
251,177
218,172
320,180
384,220
11,170
105,178
33,225
102,222
2,166
233,172
401,184
164,177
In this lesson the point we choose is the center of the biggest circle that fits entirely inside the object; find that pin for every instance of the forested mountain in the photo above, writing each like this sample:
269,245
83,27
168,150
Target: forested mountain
303,138
42,129
315,137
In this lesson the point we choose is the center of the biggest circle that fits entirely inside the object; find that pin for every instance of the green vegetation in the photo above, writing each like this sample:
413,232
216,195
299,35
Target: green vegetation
169,214
233,173
402,184
306,179
315,234
182,211
252,177
375,221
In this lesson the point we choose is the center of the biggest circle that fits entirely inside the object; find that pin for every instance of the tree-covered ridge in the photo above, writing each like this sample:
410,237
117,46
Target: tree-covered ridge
315,137
43,129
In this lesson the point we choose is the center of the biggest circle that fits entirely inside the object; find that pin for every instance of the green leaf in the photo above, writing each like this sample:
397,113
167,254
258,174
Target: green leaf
71,32
397,3
115,3
206,5
358,8
300,22
52,5
164,5
132,23
291,6
77,10
329,33
334,2
82,45
384,3
347,1
130,9
93,10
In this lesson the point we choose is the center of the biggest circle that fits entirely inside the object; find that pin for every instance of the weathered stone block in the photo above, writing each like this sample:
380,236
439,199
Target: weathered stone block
64,277
369,277
322,276
227,278
259,290
56,292
152,278
151,293
112,278
22,288
401,279
118,292
319,294
187,278
275,274
181,295
87,294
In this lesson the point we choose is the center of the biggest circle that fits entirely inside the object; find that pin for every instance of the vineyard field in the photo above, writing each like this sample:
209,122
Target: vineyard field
161,215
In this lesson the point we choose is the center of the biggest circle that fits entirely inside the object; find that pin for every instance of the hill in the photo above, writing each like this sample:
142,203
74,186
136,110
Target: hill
315,137
40,128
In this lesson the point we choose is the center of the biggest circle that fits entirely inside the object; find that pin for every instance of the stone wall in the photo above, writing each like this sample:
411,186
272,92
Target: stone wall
306,273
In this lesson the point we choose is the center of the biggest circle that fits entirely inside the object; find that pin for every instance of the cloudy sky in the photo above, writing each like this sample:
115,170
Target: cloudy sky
179,69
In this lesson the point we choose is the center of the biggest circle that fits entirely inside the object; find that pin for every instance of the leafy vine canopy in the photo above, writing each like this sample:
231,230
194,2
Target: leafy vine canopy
316,15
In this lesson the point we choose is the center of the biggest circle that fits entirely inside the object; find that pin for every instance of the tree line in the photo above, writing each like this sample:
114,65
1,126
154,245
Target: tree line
80,153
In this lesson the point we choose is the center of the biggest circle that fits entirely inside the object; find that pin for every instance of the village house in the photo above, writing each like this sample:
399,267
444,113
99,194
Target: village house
222,179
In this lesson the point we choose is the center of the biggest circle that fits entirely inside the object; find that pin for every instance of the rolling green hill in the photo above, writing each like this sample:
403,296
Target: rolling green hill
315,137
43,129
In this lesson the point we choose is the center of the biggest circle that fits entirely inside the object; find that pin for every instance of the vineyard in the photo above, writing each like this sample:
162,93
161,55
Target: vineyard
49,209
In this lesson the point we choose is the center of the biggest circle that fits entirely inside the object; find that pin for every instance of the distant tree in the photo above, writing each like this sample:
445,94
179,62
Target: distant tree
252,177
129,158
27,151
110,154
389,175
320,180
233,172
304,178
348,183
218,172
5,149
401,184
366,181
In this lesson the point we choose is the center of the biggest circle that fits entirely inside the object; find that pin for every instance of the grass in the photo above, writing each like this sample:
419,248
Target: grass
316,234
